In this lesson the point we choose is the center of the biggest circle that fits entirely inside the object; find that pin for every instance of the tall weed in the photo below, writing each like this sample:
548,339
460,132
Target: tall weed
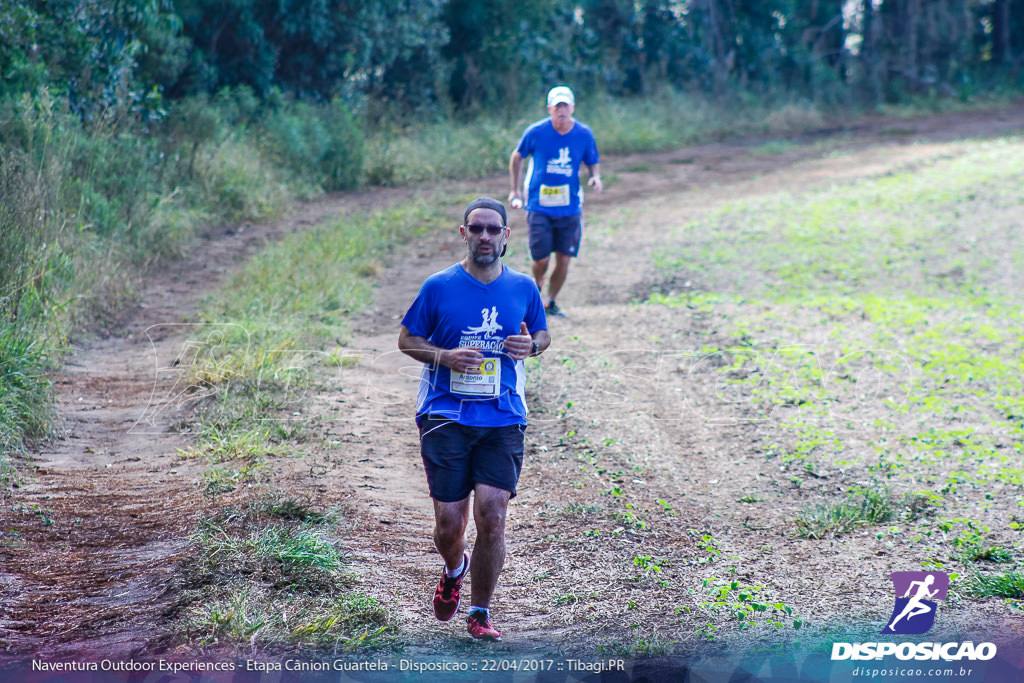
241,185
26,406
34,272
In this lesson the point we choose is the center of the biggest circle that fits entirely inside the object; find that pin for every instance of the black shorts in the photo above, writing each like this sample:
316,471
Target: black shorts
560,234
457,457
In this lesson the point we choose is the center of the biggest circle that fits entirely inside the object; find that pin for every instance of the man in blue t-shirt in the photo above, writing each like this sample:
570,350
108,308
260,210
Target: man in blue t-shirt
556,146
473,324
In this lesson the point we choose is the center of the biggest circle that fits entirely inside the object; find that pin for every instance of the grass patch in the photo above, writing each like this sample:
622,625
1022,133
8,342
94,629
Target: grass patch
972,544
217,446
264,335
240,426
748,605
871,505
877,331
1006,585
260,579
893,234
297,294
637,646
291,509
298,554
988,553
251,617
773,147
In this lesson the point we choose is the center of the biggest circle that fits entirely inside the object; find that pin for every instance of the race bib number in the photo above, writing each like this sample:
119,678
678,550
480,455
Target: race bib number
554,195
486,385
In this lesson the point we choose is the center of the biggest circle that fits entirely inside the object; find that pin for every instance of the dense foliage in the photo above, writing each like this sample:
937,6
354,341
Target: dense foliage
470,54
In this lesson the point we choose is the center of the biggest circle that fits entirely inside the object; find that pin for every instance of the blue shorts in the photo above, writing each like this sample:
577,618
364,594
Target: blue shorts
456,457
561,234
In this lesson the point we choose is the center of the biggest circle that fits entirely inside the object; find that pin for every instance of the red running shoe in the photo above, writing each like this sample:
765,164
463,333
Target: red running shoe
479,626
446,595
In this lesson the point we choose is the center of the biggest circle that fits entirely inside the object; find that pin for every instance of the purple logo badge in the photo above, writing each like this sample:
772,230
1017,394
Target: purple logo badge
914,611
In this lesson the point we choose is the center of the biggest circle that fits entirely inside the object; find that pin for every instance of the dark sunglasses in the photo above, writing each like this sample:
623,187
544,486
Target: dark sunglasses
494,230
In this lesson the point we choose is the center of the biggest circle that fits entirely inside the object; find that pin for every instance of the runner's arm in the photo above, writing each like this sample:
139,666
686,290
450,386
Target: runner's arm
595,177
543,339
520,346
515,173
462,359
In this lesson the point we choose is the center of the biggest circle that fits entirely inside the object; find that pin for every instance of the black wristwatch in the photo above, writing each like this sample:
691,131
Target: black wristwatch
535,351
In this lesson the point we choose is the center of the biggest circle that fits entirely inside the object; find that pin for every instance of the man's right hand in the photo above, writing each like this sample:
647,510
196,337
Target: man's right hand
464,359
515,198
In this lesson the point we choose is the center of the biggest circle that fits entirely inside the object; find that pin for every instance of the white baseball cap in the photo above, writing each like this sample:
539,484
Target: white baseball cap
560,94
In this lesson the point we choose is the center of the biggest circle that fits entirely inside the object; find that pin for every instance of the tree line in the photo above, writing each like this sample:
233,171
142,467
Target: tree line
465,55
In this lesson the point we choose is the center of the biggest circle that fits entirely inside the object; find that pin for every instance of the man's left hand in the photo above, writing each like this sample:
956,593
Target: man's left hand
595,182
519,346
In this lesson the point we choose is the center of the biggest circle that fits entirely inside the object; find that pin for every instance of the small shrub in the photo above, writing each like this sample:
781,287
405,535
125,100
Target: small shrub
860,508
1006,585
290,509
749,605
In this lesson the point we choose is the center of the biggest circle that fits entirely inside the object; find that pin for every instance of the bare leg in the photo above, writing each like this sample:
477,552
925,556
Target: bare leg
558,275
539,268
450,520
910,611
489,507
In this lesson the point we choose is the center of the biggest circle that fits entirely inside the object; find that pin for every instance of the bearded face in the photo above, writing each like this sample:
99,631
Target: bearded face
485,235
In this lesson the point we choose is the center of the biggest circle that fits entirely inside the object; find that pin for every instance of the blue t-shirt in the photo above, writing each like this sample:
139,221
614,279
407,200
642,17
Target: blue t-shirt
455,309
552,182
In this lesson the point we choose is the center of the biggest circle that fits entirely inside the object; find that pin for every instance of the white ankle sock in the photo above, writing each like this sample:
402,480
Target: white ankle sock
458,570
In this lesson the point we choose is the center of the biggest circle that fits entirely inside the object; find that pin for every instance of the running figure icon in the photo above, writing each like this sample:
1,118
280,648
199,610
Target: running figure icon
914,611
915,606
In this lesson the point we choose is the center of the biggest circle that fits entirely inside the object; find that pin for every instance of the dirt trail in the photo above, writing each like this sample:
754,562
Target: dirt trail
89,542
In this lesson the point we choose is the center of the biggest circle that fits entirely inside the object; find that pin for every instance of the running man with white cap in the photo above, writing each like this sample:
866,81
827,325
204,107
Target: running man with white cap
556,147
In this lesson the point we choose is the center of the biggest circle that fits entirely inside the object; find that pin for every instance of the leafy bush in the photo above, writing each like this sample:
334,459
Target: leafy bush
321,142
105,57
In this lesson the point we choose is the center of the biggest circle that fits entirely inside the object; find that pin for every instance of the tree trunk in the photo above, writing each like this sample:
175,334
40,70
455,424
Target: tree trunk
910,23
873,66
1001,32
